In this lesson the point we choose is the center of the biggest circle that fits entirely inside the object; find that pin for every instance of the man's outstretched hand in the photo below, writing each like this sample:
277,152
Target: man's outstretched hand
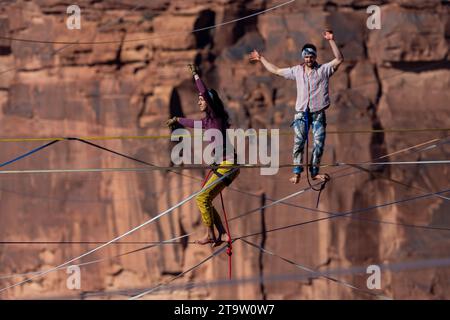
255,56
328,35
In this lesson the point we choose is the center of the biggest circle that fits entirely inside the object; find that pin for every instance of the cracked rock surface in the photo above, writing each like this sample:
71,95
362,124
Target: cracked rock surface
396,77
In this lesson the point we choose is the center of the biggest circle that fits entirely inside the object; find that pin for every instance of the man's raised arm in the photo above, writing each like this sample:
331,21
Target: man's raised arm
338,57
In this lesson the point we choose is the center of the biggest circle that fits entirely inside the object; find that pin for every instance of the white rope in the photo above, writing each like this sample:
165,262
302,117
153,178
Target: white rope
257,209
153,245
307,269
121,236
443,262
156,36
294,225
215,253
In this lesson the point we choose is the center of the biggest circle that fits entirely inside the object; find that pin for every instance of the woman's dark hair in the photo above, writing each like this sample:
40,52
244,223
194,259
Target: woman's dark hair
309,45
218,108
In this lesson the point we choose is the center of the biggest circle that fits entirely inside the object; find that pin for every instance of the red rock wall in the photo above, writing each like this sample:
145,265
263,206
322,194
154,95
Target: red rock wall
396,77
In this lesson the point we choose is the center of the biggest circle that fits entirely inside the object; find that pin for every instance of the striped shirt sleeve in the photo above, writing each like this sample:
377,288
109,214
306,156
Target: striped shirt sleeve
288,73
328,69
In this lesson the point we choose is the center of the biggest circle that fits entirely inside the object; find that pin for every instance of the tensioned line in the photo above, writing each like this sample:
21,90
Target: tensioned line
155,36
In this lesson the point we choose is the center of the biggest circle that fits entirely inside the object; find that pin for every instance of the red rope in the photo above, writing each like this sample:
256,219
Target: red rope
230,247
230,241
206,178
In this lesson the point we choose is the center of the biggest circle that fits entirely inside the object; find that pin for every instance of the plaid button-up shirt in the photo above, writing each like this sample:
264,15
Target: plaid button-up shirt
312,89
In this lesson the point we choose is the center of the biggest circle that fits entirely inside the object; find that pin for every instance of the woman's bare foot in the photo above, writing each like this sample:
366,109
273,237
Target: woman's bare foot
210,237
217,243
295,179
204,241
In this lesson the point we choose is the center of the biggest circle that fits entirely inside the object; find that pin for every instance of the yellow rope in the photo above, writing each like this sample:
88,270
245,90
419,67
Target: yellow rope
402,130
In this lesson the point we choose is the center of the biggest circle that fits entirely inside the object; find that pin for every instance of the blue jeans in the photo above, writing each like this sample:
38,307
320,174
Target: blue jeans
303,121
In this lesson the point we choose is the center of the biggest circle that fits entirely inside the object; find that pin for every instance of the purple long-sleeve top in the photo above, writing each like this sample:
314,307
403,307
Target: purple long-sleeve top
207,123
210,121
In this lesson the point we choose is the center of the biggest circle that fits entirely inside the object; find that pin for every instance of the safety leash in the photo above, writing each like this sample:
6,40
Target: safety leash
324,183
206,178
322,187
230,241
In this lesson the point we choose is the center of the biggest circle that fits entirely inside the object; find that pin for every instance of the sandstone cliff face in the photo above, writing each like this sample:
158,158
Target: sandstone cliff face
396,77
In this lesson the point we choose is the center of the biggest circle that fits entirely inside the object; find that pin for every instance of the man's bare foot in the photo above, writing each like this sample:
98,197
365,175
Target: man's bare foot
321,177
295,179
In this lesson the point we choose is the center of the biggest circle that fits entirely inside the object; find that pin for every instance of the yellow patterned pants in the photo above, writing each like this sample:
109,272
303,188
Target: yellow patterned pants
210,216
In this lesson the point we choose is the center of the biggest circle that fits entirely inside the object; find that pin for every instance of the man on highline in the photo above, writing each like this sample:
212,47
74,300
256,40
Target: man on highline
312,100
